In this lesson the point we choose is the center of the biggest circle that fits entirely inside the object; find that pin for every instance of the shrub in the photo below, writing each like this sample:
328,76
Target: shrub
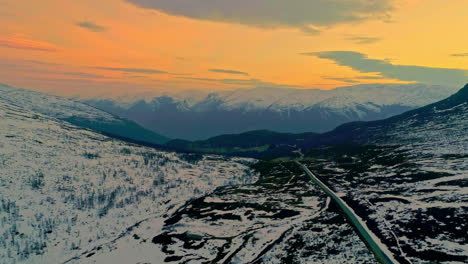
37,181
192,158
90,155
126,151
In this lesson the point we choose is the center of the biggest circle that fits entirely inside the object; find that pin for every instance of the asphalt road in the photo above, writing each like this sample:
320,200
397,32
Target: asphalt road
380,251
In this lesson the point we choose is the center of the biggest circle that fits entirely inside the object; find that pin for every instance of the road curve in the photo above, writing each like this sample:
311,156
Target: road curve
380,251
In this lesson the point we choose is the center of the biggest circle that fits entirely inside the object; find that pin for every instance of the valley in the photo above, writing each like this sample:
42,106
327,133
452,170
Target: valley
233,132
281,218
72,195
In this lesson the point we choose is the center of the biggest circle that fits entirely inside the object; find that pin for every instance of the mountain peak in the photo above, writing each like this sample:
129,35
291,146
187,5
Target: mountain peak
461,96
465,89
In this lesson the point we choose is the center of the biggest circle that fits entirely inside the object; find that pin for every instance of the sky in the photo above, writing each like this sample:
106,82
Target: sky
124,47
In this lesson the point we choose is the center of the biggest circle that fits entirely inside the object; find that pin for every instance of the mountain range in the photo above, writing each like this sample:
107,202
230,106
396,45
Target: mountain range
450,112
71,195
78,113
198,115
404,177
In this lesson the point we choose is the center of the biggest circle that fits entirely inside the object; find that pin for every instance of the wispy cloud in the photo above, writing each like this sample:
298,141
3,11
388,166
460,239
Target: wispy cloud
310,30
411,73
27,44
354,79
275,13
37,62
41,68
91,26
133,70
253,83
363,39
83,75
228,72
5,14
369,77
340,79
459,55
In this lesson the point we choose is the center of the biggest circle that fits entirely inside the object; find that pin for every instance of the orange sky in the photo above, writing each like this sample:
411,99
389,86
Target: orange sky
116,47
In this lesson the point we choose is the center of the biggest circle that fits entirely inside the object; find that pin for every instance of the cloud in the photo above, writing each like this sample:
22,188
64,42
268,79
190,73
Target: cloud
27,44
42,62
30,63
82,74
274,13
40,68
253,83
459,55
5,14
310,30
411,73
228,71
91,26
363,39
346,80
369,77
133,70
354,79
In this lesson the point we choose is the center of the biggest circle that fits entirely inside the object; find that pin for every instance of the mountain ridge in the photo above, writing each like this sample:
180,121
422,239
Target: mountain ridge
459,98
78,113
282,110
360,132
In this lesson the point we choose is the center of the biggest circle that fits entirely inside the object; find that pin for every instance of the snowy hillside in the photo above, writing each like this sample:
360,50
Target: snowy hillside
55,106
281,218
410,182
409,187
282,110
65,190
70,195
77,113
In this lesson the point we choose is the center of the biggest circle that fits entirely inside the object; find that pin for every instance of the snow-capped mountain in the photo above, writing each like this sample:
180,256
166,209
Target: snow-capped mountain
408,180
193,116
408,186
65,190
77,113
435,123
71,195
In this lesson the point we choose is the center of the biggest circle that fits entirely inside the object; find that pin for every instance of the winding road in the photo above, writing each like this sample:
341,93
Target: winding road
381,252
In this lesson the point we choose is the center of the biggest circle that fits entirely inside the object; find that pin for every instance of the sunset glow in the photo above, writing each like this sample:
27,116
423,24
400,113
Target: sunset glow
120,47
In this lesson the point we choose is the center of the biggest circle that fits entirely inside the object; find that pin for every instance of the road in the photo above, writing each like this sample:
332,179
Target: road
381,252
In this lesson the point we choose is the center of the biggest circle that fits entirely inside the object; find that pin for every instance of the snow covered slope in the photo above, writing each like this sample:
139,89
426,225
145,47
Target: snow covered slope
412,95
432,124
65,189
282,110
282,218
410,181
409,185
77,113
